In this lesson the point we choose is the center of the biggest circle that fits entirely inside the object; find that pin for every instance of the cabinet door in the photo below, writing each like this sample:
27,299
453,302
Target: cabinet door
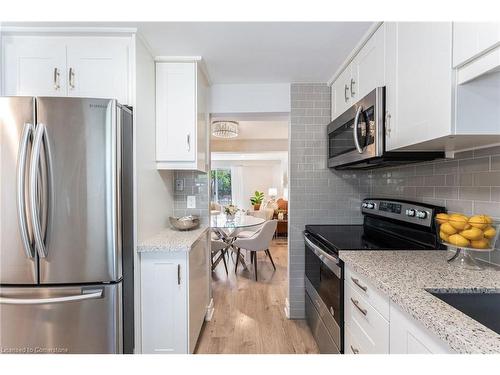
175,112
418,82
34,66
368,66
98,67
198,288
408,336
342,91
164,303
470,39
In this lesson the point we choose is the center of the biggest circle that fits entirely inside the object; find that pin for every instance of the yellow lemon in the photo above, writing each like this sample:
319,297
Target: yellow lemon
488,219
443,236
481,244
489,232
472,234
479,221
458,221
442,218
458,240
447,228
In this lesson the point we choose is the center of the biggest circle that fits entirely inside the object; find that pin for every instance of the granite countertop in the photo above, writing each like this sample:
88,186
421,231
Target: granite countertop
172,240
405,275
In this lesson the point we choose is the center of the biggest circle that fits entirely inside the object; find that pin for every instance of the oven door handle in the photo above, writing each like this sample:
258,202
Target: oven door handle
330,261
355,130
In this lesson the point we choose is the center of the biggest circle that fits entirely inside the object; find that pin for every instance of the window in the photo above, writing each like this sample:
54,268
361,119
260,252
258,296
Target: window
221,186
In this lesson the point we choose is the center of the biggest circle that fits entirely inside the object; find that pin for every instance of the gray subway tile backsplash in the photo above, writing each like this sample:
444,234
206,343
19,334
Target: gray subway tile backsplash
469,183
195,183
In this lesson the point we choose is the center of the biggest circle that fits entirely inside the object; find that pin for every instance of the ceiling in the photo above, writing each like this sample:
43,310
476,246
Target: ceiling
249,130
251,52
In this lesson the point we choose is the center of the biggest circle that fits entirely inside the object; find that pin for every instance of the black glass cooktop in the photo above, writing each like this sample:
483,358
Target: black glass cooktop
356,237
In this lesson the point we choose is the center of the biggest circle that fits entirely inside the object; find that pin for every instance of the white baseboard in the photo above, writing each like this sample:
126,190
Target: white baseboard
210,310
287,308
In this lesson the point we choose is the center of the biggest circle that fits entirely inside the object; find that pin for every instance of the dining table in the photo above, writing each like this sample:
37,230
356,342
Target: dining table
227,228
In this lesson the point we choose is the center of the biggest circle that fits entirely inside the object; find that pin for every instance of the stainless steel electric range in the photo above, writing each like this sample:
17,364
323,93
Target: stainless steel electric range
388,224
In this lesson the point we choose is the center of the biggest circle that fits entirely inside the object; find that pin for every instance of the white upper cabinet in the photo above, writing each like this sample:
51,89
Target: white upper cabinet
368,70
419,82
67,66
476,49
342,93
34,66
361,76
99,67
471,39
181,116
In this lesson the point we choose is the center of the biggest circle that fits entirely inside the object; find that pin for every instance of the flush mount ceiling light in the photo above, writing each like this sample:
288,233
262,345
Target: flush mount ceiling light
225,129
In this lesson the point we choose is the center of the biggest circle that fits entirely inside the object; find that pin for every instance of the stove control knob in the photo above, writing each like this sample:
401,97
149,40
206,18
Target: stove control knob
410,212
421,214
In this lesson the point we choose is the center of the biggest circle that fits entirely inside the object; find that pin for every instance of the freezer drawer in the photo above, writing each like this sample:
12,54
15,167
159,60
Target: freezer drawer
83,319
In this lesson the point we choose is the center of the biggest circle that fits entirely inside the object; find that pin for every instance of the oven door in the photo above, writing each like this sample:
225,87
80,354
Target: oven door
358,133
324,286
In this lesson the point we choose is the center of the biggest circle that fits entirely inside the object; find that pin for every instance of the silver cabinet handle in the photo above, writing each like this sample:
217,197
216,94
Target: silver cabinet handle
43,301
57,85
71,78
356,281
353,82
355,130
354,350
188,141
346,97
33,175
178,274
21,187
387,123
356,303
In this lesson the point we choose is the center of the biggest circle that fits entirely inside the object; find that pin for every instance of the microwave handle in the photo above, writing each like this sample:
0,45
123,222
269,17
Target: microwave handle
355,130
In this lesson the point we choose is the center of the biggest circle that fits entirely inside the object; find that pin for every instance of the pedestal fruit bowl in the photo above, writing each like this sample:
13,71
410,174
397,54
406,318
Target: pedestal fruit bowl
467,235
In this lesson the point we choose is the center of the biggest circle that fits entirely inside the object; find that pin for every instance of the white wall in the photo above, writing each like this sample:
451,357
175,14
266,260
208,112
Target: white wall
250,98
154,189
255,175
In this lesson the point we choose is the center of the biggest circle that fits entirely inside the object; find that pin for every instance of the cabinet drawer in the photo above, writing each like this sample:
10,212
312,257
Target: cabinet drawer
351,345
371,294
365,323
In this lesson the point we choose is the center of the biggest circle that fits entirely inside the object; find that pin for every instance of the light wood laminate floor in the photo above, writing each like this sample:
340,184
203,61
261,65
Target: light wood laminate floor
249,316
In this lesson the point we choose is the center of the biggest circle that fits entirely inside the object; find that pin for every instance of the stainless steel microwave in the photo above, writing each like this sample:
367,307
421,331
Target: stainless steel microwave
356,138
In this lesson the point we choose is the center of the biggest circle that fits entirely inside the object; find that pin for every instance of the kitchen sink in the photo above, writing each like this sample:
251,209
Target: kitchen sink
482,307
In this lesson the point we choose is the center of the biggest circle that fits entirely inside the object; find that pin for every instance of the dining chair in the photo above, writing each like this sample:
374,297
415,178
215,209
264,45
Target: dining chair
258,242
218,250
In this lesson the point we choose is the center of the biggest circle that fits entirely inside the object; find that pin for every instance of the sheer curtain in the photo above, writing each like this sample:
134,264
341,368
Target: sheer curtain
237,186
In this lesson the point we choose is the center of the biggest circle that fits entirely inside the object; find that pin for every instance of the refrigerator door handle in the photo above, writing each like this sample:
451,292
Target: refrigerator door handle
33,177
21,190
86,294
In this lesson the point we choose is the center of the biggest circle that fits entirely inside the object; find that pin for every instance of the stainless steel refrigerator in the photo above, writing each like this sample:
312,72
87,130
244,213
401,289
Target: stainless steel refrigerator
66,226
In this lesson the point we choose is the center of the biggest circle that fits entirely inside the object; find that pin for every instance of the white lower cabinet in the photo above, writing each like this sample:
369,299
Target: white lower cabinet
175,296
363,308
374,325
409,337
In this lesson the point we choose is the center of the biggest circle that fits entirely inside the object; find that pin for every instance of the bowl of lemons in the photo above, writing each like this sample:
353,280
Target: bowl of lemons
466,234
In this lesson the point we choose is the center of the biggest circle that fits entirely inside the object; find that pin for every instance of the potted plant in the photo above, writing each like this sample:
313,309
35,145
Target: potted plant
257,199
